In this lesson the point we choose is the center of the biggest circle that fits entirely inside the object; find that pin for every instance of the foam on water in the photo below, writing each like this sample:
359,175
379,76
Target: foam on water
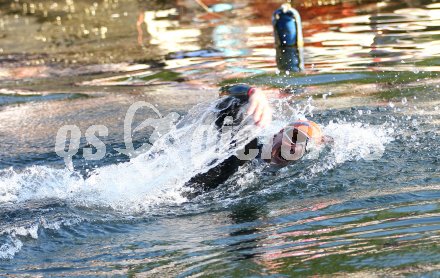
354,141
154,178
157,177
349,142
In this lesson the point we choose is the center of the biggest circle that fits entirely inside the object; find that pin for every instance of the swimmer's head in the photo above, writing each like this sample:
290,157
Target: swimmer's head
290,144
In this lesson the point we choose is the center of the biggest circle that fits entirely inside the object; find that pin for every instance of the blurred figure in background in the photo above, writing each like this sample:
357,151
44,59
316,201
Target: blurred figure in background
289,42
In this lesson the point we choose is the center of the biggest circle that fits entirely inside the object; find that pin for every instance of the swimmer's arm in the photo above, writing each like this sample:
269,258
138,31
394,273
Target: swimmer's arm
259,107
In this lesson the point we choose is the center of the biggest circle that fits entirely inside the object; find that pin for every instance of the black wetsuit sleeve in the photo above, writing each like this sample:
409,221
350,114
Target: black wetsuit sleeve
237,96
229,107
220,173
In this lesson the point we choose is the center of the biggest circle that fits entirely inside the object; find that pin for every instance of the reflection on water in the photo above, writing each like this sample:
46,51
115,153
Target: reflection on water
393,35
289,59
370,78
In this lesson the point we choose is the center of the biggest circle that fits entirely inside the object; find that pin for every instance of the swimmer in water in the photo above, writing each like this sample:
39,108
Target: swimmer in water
289,144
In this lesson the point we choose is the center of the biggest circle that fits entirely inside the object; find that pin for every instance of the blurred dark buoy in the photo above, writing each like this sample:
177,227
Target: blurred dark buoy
289,42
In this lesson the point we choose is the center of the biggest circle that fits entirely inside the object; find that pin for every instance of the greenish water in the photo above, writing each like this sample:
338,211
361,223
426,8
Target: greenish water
370,79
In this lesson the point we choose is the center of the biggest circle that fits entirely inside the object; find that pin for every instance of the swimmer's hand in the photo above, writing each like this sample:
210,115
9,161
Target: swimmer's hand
260,109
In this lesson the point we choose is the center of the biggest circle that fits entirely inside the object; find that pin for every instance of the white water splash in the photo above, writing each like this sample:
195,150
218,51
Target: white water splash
11,236
157,177
352,142
9,249
150,180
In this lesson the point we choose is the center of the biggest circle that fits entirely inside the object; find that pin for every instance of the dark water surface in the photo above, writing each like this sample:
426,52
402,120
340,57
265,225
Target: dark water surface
368,205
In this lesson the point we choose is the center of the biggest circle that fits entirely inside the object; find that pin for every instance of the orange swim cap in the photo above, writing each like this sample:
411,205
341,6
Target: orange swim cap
311,129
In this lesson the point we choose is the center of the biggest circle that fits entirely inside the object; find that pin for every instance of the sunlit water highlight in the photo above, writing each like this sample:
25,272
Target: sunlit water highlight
367,204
